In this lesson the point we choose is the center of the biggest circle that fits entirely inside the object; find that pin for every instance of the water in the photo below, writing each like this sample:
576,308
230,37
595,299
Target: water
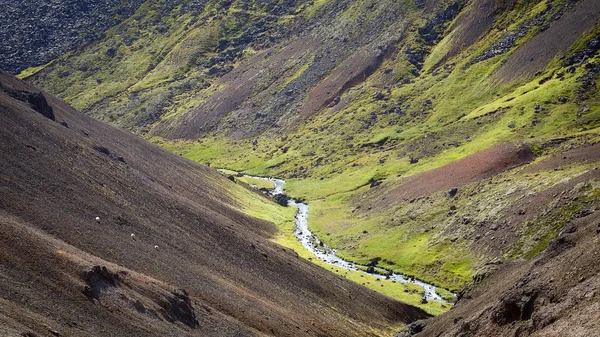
327,254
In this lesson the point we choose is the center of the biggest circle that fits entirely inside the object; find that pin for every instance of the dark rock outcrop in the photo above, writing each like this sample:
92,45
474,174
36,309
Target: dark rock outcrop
281,199
98,279
179,307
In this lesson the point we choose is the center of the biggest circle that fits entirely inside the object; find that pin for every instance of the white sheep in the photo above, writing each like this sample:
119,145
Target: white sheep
98,219
133,236
156,247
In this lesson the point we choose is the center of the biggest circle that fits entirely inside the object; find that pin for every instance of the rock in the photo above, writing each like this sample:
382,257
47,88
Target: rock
179,307
374,261
538,108
515,306
562,99
424,300
378,96
102,150
375,183
99,279
231,177
494,227
453,208
584,212
416,327
335,102
37,101
110,52
414,160
557,246
42,31
484,272
281,199
452,193
371,270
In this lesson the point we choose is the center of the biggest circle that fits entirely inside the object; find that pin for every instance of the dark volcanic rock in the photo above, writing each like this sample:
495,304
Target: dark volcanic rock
38,103
452,192
98,279
432,30
36,100
513,307
36,32
281,199
590,50
179,307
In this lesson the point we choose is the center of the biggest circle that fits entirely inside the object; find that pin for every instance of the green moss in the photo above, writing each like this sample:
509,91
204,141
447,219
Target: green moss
31,71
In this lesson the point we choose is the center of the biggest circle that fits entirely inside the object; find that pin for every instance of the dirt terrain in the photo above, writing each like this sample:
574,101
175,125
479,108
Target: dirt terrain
555,294
475,167
105,234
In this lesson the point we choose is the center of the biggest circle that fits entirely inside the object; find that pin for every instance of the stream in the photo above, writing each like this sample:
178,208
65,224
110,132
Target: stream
328,255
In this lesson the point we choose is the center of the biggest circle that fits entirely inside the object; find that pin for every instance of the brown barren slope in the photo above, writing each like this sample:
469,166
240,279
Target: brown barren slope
536,53
214,273
478,166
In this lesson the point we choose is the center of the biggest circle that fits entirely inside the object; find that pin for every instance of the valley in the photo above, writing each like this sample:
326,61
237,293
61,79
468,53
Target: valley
440,161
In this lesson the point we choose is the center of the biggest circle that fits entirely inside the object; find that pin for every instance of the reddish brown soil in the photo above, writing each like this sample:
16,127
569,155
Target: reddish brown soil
56,179
536,53
472,168
351,72
586,154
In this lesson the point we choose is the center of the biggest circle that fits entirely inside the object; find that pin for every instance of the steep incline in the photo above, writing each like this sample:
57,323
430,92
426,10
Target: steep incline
37,32
213,270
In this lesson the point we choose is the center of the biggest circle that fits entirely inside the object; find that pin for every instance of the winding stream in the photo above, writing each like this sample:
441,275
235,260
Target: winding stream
327,254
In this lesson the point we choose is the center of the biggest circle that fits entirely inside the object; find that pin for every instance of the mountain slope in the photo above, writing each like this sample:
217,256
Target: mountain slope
213,271
416,130
555,294
37,32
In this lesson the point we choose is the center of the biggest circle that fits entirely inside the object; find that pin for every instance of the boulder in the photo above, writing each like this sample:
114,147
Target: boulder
281,199
452,193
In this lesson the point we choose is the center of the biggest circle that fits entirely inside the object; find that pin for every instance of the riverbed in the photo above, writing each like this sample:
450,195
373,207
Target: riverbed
328,255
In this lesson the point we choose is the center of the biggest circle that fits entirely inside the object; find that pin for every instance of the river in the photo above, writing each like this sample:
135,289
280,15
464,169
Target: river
328,255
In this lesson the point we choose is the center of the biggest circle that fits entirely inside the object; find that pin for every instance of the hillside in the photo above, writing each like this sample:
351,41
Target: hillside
452,141
104,233
37,32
